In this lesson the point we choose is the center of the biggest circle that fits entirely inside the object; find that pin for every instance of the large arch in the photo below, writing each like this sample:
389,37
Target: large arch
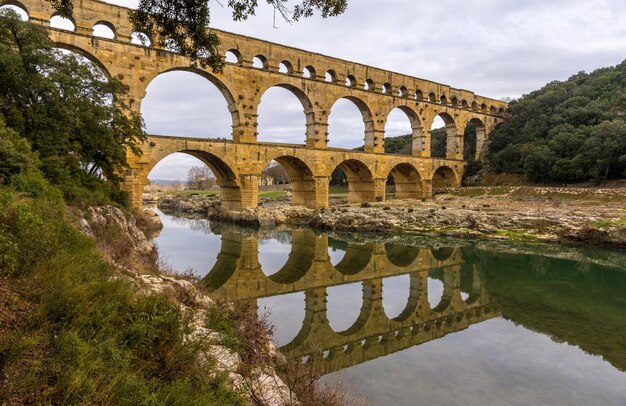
84,53
343,128
226,177
361,185
196,116
285,113
401,121
406,181
444,178
301,179
450,140
474,138
17,7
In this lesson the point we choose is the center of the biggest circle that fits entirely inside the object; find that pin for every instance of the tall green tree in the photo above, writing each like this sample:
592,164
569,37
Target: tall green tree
74,117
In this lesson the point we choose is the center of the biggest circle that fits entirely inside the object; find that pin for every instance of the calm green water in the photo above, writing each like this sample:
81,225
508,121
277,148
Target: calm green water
418,321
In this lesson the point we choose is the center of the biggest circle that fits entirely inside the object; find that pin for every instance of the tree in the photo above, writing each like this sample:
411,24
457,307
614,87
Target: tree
200,178
75,118
276,173
186,22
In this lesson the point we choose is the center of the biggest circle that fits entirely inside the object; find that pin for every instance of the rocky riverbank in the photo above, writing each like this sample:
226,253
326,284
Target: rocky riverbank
547,214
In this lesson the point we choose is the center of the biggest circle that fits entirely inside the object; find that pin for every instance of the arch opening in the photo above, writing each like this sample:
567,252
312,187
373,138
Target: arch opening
401,255
308,72
188,103
436,288
16,7
360,182
287,312
84,56
419,95
104,29
350,81
259,62
344,306
444,179
396,294
386,88
285,67
285,115
403,92
404,182
62,23
443,136
188,169
232,56
140,38
350,123
171,45
369,85
293,177
403,132
330,76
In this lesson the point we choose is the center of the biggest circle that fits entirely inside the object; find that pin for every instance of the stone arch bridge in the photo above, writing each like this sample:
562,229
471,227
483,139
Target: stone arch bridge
254,66
237,276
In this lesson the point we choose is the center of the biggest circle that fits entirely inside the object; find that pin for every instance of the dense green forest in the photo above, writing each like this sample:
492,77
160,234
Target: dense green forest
567,131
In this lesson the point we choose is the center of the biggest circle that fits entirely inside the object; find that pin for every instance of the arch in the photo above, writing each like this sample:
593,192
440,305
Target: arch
335,139
225,175
444,178
19,8
492,110
449,147
285,67
464,104
432,97
288,134
301,179
443,100
412,301
361,186
454,101
350,81
356,258
403,91
386,88
501,110
225,265
198,131
232,56
300,260
414,128
407,181
418,95
344,306
483,107
474,137
396,293
474,106
309,72
369,85
367,308
330,76
85,54
442,253
140,38
62,23
259,62
171,45
287,312
104,29
401,255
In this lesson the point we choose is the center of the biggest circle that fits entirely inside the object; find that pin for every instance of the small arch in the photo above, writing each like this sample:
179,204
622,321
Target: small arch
401,255
62,23
361,187
140,38
442,253
309,72
403,92
432,98
330,76
232,56
464,104
443,100
386,88
104,29
17,7
301,180
419,95
285,67
355,258
454,101
171,45
444,178
350,81
492,110
406,182
369,85
474,106
483,107
501,110
259,62
300,259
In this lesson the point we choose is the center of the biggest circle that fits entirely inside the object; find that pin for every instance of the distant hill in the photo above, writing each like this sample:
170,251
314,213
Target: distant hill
567,131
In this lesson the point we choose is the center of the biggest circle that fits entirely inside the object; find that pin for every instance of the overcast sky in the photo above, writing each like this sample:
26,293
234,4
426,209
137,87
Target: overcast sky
496,48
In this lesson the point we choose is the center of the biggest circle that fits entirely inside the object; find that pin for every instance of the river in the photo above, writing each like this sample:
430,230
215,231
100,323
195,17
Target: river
405,320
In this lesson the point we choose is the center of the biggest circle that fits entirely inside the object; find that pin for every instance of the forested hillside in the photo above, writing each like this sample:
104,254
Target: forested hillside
567,131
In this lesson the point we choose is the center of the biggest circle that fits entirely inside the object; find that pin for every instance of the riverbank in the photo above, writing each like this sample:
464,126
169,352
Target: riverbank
542,214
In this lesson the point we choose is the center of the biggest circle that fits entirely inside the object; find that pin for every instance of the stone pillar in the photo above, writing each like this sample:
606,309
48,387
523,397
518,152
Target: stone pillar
380,189
420,145
454,143
133,184
316,128
244,114
321,191
375,140
249,190
427,188
481,138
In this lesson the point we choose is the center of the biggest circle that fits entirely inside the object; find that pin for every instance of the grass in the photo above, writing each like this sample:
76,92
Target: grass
273,194
84,336
604,224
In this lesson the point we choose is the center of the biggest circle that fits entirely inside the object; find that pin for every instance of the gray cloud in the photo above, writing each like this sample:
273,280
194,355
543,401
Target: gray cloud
495,48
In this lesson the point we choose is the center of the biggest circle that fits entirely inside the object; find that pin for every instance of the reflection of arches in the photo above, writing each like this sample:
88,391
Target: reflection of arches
411,301
443,178
370,296
226,178
226,264
307,106
182,118
470,283
343,305
401,255
361,187
301,179
356,258
443,253
300,260
407,181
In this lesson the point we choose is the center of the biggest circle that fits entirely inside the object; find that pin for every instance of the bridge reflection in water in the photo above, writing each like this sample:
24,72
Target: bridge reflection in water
237,276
